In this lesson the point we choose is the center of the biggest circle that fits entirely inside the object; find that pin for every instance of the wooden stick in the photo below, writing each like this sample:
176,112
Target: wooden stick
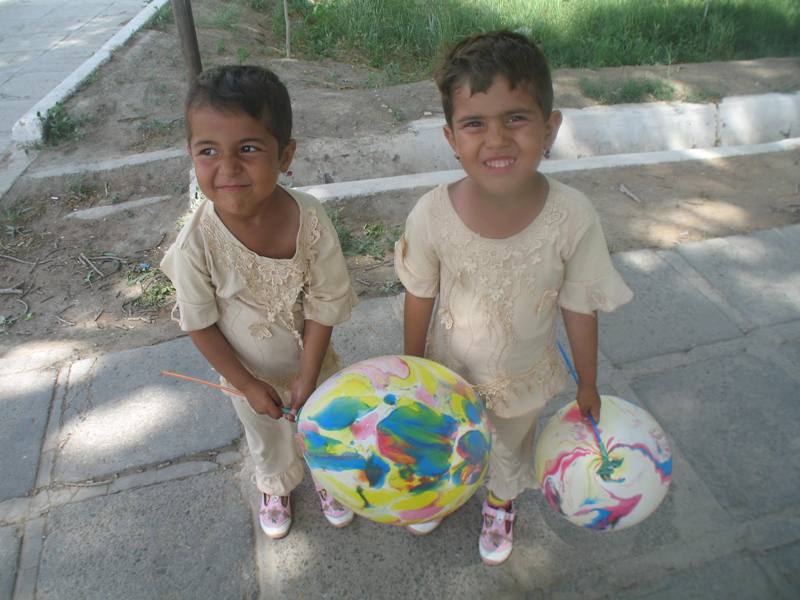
284,409
233,391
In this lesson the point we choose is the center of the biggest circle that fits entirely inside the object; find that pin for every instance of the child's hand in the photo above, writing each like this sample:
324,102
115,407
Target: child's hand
263,398
588,401
300,391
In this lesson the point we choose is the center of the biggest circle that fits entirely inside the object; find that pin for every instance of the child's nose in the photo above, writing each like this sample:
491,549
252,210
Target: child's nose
230,165
495,134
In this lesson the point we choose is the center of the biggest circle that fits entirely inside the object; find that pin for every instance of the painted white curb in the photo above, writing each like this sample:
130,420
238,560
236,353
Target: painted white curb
100,212
28,128
652,127
367,187
110,164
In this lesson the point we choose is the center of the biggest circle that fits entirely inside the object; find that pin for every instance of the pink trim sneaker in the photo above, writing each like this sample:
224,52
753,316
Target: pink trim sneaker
424,528
337,515
275,515
497,534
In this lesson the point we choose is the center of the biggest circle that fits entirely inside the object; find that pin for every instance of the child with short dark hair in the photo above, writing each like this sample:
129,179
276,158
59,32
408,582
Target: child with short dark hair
259,274
497,253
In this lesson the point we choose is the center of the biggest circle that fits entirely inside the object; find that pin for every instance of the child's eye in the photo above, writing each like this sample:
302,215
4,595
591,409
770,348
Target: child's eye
207,152
517,118
473,124
249,148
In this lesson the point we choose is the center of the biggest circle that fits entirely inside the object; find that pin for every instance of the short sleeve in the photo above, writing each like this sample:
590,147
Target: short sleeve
415,260
185,265
590,280
329,296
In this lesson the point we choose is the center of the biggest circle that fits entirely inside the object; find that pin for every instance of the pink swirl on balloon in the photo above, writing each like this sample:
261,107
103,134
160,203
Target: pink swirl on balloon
388,367
609,515
420,514
365,426
561,464
425,397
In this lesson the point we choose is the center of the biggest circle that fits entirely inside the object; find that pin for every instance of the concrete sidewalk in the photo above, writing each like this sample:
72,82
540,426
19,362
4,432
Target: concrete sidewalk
119,483
43,41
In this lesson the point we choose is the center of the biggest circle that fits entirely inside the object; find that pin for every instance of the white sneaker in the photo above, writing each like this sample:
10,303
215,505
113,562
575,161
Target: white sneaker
424,528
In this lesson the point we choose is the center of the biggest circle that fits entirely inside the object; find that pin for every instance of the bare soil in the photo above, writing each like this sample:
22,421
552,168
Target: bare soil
81,283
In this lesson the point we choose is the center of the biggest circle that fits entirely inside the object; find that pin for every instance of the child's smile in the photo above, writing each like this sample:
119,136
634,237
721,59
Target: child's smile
499,136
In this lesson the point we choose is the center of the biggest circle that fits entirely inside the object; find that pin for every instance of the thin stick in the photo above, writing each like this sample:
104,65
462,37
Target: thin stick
233,391
11,291
629,193
91,265
18,260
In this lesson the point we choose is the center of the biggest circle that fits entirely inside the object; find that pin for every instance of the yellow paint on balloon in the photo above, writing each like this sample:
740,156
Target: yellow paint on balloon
415,501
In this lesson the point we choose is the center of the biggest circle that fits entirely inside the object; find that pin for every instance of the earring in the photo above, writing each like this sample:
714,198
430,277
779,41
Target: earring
457,156
546,153
288,173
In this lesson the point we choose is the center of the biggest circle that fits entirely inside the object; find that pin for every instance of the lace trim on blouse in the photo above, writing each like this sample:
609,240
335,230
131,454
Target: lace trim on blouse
272,284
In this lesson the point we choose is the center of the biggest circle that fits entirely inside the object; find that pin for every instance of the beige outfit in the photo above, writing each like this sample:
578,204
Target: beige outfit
495,319
260,305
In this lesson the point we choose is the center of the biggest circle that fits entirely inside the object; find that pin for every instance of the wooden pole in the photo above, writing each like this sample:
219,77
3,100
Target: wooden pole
182,9
288,29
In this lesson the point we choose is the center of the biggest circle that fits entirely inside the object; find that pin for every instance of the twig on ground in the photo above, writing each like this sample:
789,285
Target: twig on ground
64,321
17,260
146,250
25,304
99,312
363,282
11,291
380,264
91,265
629,193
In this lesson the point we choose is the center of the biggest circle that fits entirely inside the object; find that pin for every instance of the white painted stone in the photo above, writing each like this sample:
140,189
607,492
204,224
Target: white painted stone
101,212
759,118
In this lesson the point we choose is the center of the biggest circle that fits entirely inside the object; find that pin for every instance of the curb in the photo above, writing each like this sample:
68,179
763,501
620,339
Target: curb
28,128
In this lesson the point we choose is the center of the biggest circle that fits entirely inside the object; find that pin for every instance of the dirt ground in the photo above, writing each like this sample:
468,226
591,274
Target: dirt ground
91,287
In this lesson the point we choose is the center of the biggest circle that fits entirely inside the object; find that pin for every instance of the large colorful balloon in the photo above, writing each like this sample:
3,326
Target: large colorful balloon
398,439
612,483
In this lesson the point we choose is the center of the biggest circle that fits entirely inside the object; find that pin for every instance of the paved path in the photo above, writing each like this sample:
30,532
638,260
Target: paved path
44,41
117,482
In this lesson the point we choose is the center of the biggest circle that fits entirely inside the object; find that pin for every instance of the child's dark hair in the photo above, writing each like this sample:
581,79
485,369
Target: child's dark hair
253,90
478,59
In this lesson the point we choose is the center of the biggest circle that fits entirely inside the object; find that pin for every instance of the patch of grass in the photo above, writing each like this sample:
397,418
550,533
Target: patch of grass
12,217
373,240
574,33
156,288
701,96
162,19
642,89
259,5
344,235
80,192
6,321
227,17
242,54
158,128
58,125
221,47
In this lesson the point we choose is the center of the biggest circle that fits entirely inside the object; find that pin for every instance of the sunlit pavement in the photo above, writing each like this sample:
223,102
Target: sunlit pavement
115,478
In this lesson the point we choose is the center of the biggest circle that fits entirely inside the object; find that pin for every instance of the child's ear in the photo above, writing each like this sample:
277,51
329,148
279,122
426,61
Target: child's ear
551,127
288,154
450,137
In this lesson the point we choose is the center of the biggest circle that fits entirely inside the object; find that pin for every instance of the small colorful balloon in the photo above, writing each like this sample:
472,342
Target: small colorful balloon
397,439
610,476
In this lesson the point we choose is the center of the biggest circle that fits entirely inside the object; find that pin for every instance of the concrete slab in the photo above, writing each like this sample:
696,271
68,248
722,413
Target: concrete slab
375,329
791,350
734,419
784,563
731,577
24,407
760,118
119,412
757,273
190,538
9,555
666,314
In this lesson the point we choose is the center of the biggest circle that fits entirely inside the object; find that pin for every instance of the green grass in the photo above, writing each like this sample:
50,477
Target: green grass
227,17
373,240
58,125
642,89
156,288
411,34
162,19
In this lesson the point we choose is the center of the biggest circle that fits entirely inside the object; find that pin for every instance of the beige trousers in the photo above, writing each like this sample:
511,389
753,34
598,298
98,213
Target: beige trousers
511,466
278,466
